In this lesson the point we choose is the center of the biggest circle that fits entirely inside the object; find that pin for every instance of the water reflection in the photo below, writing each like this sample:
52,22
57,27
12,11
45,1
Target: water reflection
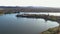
55,14
38,25
9,23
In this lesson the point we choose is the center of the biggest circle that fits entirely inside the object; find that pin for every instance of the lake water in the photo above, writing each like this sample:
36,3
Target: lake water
10,24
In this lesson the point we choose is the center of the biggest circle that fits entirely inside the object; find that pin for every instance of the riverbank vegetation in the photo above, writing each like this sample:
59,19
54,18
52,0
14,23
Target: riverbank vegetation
54,30
47,17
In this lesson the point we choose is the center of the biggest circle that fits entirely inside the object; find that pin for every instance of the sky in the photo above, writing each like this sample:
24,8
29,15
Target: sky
46,3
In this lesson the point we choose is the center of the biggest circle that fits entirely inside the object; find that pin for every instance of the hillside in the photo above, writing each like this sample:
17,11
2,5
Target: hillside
28,9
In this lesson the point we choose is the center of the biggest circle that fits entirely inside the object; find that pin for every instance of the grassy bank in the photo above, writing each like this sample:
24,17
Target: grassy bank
47,17
54,30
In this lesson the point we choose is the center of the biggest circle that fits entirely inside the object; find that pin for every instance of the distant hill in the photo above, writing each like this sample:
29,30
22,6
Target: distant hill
29,9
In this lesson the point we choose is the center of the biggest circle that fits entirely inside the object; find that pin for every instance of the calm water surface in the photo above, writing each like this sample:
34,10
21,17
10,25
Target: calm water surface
10,24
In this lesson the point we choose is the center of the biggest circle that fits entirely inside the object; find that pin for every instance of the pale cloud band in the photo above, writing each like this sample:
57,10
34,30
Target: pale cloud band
47,3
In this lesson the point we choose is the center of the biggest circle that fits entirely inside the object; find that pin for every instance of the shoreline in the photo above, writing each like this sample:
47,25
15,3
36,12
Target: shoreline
46,17
54,30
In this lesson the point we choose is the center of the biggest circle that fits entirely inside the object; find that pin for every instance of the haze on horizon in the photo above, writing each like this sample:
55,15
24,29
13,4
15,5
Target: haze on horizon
46,3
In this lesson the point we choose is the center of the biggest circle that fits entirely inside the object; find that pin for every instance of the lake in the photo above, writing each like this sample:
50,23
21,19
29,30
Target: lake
10,24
